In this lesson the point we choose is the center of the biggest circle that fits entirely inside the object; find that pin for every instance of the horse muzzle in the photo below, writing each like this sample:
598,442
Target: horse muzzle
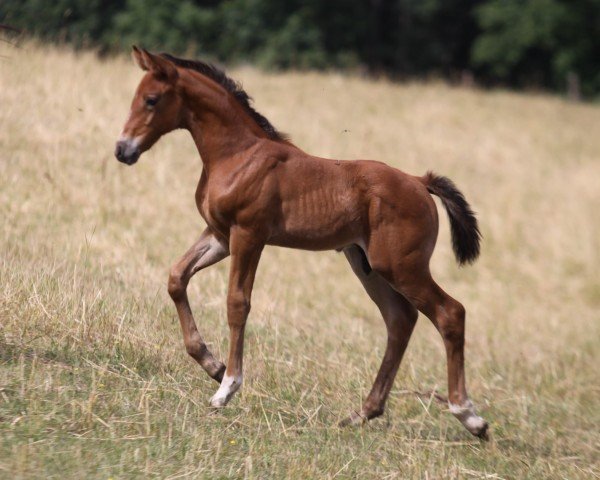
127,151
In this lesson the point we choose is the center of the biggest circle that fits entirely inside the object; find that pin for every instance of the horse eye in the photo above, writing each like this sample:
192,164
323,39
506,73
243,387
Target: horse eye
151,101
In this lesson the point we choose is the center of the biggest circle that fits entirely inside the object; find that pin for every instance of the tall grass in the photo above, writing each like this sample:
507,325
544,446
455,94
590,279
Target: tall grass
94,379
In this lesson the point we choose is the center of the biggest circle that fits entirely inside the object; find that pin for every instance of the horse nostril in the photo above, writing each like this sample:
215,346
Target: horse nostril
120,150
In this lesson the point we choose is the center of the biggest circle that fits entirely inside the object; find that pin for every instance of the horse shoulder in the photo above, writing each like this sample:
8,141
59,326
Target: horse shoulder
243,188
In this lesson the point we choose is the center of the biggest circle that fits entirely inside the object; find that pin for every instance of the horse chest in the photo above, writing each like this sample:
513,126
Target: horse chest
217,207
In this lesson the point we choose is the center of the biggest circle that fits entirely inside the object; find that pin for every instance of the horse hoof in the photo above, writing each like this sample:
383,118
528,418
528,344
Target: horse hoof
466,414
228,387
483,432
354,420
218,402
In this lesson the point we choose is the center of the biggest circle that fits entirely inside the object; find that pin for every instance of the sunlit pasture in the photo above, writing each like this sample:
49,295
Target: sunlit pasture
94,378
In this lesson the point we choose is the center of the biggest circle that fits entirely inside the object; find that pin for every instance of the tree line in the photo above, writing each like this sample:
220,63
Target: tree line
549,44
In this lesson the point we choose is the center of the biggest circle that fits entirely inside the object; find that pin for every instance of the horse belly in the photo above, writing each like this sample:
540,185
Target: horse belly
319,220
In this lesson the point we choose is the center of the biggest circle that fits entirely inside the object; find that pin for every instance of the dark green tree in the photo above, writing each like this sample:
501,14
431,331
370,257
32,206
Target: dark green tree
81,22
521,43
539,42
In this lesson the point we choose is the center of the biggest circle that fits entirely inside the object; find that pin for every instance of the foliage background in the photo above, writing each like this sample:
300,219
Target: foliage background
517,43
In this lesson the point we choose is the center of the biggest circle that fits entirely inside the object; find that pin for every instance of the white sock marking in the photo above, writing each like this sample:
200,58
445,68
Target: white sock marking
468,417
229,385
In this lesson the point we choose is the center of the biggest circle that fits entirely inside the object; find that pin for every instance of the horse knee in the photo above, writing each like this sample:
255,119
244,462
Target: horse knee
400,323
176,285
452,322
194,346
238,307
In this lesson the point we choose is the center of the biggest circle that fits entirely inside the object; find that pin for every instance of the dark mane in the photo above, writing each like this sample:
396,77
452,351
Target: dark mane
232,87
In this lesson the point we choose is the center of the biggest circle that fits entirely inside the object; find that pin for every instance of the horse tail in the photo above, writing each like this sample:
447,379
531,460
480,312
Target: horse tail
466,236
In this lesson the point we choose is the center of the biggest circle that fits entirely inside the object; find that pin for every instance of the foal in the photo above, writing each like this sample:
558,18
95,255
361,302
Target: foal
258,189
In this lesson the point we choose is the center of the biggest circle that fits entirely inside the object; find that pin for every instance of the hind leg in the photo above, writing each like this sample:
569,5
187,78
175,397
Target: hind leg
448,316
400,318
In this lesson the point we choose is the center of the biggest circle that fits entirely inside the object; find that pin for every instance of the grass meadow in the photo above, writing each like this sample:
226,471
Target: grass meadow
94,378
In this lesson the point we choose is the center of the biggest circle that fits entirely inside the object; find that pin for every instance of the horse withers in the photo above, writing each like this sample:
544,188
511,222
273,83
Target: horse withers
258,189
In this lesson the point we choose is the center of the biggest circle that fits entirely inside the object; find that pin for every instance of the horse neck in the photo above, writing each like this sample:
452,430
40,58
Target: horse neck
220,127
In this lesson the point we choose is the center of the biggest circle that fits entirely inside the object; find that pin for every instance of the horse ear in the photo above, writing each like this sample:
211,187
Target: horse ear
138,58
160,66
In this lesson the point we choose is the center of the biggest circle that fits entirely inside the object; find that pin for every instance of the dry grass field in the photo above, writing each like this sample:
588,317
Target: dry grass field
94,378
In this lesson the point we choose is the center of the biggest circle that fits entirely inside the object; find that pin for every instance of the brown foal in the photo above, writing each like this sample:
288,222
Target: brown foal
258,189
